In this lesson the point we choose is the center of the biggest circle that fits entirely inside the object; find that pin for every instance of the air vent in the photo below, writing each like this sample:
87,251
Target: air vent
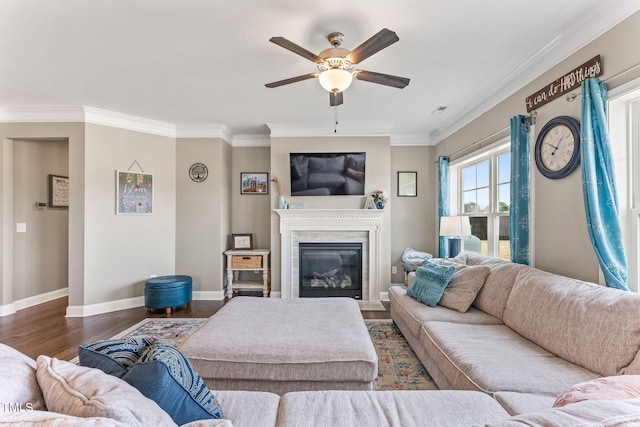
439,109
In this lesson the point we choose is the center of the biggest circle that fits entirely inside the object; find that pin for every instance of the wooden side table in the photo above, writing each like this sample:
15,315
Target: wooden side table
247,260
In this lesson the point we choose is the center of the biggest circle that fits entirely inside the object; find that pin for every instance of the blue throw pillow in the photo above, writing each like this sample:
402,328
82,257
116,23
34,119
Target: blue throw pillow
115,356
164,375
429,282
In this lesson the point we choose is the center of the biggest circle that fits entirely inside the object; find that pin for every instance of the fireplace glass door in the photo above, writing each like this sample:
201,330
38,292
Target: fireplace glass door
330,270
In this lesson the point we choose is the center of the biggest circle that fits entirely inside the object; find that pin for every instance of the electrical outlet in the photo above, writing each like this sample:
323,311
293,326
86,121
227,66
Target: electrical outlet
394,269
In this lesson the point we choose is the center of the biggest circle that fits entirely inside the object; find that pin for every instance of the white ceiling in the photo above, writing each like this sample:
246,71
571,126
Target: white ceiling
206,62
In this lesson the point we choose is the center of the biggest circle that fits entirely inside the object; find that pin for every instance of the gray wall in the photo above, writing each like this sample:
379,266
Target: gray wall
413,217
40,256
122,251
561,241
201,218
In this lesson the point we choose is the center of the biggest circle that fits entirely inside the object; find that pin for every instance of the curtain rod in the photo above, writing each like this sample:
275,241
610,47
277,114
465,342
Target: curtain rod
572,96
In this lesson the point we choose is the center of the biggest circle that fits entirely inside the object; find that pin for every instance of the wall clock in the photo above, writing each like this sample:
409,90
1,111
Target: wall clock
557,149
198,172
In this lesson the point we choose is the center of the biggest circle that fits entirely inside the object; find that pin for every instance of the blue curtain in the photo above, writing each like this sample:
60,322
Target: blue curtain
443,201
519,205
599,186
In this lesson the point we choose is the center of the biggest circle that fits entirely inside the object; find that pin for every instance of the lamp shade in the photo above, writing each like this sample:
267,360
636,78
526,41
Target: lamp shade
335,79
455,226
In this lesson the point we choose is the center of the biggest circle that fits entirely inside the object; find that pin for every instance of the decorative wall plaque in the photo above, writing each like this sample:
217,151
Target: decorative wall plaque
198,172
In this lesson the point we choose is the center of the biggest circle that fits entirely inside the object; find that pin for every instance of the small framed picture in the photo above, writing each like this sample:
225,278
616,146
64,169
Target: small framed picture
58,191
407,184
242,241
254,183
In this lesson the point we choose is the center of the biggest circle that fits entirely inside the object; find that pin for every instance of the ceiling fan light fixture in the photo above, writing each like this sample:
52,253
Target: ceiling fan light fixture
335,79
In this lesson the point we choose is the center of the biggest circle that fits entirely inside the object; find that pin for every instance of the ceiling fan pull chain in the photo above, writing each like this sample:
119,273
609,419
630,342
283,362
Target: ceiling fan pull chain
335,126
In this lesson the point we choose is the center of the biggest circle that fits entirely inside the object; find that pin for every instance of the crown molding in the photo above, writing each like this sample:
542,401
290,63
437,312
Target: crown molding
288,130
204,131
251,141
410,140
45,114
126,121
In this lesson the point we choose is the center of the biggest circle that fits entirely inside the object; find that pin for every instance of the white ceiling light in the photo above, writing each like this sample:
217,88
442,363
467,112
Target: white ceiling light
335,79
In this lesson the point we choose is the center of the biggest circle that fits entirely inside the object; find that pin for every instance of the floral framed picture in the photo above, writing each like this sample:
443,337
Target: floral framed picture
254,183
134,193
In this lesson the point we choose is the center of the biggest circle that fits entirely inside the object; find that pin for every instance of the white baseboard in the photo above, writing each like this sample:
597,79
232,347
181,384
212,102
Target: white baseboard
21,304
104,307
39,299
275,294
123,304
208,295
7,309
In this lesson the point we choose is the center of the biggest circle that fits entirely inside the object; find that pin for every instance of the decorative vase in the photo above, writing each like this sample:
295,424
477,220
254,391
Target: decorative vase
281,204
380,205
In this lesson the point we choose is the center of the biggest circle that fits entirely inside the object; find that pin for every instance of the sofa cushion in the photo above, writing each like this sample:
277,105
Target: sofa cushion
86,392
18,383
492,297
263,406
590,413
54,419
429,282
618,387
462,289
519,403
387,408
164,375
115,356
494,358
571,319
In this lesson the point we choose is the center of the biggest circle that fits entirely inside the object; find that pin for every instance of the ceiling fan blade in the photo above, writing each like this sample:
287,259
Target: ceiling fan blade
335,99
375,44
289,45
383,79
292,80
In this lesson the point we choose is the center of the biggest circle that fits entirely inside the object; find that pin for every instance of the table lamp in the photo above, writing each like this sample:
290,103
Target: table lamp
454,227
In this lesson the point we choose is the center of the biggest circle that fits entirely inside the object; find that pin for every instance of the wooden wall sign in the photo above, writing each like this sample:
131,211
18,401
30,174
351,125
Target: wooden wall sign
590,69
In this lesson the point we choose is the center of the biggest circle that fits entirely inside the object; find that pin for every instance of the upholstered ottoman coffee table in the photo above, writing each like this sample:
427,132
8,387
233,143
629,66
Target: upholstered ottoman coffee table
283,345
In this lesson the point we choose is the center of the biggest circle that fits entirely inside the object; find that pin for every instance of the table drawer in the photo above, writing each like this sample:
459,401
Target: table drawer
246,261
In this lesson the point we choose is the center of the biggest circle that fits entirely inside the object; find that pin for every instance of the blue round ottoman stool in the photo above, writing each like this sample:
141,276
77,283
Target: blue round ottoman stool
165,292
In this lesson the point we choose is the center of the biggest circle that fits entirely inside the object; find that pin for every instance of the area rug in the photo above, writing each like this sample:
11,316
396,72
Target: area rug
398,366
173,331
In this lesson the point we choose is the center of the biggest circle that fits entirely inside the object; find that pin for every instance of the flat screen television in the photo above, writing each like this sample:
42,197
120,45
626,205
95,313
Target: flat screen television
327,174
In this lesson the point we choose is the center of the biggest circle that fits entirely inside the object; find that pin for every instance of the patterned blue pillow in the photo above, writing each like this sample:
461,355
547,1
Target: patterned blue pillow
429,282
164,375
115,356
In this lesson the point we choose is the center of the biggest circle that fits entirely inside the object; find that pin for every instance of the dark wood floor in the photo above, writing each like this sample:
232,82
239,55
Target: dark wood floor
44,329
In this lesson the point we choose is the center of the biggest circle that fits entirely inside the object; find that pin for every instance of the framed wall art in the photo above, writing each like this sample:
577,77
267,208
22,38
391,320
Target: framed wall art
242,241
134,193
254,183
407,184
58,191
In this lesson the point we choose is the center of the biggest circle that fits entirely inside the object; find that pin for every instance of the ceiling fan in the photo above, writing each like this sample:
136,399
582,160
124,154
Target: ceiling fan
336,64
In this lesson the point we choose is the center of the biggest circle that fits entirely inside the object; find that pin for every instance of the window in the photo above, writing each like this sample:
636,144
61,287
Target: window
624,129
482,191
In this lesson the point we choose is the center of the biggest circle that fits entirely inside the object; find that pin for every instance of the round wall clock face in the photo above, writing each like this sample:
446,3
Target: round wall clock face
557,148
198,172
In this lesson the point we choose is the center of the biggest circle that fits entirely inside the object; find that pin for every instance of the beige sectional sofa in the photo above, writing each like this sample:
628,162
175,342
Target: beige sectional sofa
528,335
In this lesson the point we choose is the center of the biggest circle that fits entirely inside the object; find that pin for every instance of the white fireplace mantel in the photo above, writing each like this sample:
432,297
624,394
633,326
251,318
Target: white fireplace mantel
298,225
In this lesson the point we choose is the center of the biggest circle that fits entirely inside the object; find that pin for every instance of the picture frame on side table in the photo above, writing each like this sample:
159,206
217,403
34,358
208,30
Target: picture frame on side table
407,184
242,241
254,183
58,191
